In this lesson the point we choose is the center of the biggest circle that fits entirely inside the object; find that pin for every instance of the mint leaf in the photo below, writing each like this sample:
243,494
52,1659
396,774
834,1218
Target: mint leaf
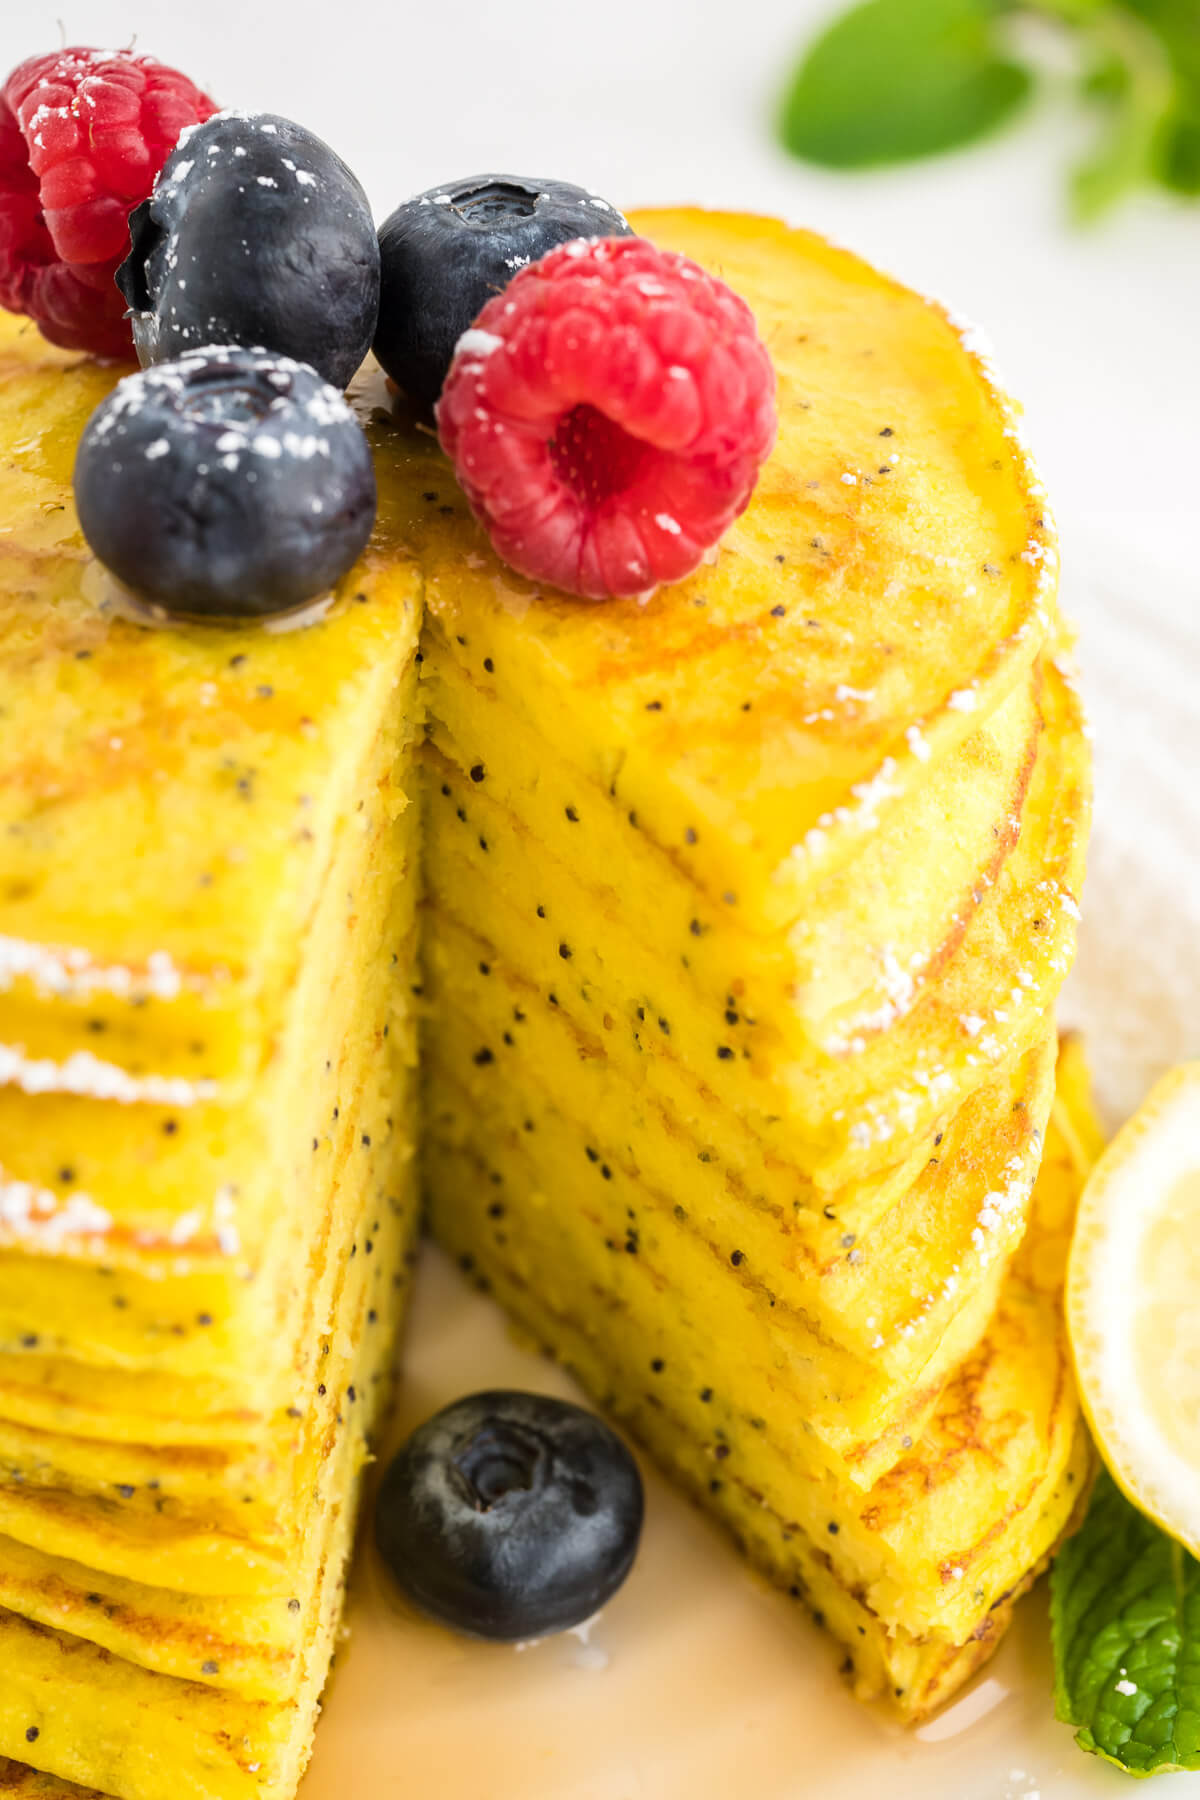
1177,24
1125,1612
1179,151
1137,107
896,79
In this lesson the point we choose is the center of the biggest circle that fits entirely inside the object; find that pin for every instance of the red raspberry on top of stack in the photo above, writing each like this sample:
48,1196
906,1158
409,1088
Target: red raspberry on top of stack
83,133
608,415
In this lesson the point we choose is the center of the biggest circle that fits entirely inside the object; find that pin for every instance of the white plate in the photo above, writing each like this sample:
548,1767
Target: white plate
699,1682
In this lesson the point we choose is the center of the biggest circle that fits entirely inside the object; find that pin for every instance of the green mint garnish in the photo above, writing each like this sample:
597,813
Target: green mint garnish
895,79
1125,1611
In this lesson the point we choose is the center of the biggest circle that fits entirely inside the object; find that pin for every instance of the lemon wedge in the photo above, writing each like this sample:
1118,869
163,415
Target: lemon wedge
1133,1305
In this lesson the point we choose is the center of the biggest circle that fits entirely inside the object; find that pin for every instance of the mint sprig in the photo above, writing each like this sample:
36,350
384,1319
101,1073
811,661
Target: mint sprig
891,80
895,79
1125,1613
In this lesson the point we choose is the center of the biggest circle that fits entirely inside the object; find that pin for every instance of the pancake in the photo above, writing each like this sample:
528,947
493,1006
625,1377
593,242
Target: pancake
706,711
33,1784
886,1303
177,1301
246,1642
202,777
143,1165
833,1115
153,1691
917,1575
372,1134
827,976
180,1514
207,1136
744,903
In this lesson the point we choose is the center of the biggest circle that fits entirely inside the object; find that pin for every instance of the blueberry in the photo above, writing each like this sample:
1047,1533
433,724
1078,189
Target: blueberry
510,1515
255,234
231,483
446,252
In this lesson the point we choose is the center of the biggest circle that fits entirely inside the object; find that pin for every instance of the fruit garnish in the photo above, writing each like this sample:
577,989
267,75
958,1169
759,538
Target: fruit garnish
607,416
1133,1305
256,234
230,484
446,252
510,1515
83,133
1125,1608
1126,1588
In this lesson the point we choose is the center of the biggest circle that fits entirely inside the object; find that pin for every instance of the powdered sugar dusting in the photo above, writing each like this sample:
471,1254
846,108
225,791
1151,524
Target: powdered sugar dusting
59,971
85,1075
37,1215
478,343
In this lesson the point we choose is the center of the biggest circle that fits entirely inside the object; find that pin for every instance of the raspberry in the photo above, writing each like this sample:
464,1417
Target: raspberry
83,133
607,416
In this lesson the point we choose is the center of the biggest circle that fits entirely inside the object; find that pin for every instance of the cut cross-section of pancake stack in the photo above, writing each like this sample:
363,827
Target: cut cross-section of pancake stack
207,1179
747,909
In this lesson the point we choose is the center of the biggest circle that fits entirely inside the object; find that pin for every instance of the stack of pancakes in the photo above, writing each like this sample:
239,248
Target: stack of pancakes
747,911
746,907
207,943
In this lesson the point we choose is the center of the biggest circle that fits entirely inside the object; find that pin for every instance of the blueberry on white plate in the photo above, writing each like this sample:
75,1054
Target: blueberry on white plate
510,1516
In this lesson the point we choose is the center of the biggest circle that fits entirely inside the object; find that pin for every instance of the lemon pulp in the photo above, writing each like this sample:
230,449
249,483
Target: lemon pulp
1166,1342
